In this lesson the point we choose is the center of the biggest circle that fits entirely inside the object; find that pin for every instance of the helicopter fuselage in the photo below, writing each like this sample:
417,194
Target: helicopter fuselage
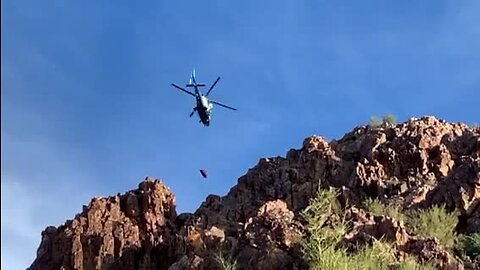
203,108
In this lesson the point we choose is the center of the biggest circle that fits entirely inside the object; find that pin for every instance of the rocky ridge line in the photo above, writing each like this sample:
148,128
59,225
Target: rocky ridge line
416,164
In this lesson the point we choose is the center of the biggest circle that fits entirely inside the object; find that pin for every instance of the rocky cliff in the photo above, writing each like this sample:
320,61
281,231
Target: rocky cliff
414,165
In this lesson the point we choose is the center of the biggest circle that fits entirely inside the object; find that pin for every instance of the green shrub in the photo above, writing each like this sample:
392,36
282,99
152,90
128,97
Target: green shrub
386,120
324,231
226,263
389,120
435,222
411,264
375,207
323,228
470,245
375,121
377,256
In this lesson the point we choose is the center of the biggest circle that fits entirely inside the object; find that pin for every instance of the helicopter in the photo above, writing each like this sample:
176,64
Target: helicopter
203,104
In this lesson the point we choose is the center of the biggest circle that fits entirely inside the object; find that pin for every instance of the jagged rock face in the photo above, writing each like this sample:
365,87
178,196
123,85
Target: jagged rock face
416,164
269,238
130,231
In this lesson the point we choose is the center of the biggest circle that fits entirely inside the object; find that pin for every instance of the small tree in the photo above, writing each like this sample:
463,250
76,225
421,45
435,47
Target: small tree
375,121
389,120
386,120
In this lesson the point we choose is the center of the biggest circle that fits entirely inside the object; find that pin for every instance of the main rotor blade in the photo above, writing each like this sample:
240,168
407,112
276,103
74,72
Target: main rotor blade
211,87
193,111
223,105
184,90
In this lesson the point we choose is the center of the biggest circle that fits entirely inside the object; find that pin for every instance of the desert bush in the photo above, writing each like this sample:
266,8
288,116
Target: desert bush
389,120
226,263
386,120
411,264
469,245
375,207
377,256
375,121
435,222
324,231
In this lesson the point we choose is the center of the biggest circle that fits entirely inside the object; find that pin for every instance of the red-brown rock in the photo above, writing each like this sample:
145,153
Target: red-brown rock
415,164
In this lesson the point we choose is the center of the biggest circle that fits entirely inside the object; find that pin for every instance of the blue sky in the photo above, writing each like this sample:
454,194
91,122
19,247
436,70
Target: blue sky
87,108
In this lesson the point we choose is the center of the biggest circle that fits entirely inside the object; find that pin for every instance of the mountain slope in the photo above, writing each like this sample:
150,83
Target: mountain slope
413,165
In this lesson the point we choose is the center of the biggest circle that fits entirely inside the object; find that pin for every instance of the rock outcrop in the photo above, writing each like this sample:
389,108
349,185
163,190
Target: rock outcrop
127,231
416,164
